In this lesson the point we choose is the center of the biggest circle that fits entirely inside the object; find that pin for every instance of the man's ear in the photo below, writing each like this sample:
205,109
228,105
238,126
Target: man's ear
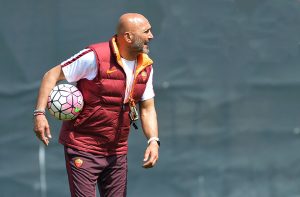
128,37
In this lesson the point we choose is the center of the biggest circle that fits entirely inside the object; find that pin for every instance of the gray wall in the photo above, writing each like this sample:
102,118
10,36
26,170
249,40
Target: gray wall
227,94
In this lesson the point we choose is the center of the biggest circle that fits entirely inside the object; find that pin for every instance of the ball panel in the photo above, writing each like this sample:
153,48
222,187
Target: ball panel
66,109
64,92
65,102
62,100
77,93
74,89
55,96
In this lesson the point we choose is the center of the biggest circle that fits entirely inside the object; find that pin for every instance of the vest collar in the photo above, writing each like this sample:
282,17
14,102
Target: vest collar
143,60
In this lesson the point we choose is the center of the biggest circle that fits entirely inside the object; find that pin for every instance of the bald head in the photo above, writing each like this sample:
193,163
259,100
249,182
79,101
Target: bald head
130,22
133,35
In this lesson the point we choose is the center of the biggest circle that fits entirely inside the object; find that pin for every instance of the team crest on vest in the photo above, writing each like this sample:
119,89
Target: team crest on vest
78,162
144,75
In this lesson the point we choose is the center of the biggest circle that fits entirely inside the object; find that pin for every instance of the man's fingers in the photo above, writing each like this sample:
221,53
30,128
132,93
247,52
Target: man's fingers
146,156
44,139
42,129
147,165
150,163
41,135
151,156
48,133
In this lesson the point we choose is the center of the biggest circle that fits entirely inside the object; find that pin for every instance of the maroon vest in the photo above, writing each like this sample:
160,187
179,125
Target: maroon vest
103,125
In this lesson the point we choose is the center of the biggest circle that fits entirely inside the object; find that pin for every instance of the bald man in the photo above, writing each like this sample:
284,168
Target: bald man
114,77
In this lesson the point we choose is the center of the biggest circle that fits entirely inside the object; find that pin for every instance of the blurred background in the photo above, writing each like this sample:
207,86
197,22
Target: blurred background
226,76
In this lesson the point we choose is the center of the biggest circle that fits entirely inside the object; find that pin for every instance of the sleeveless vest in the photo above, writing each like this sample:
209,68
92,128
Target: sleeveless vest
103,125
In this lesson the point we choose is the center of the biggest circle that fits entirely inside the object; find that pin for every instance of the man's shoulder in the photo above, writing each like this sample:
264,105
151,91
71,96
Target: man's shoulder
98,45
101,50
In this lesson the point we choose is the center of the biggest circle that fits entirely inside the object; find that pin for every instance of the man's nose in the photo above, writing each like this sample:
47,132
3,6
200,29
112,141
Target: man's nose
150,35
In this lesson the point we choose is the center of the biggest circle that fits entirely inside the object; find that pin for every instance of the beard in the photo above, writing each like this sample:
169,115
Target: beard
138,46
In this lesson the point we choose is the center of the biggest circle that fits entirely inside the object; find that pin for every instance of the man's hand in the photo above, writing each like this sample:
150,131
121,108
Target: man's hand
42,129
151,155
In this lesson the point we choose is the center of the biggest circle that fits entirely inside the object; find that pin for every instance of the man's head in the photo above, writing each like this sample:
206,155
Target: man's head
134,33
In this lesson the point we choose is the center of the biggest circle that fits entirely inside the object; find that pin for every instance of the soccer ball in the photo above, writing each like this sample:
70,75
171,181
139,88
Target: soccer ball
65,102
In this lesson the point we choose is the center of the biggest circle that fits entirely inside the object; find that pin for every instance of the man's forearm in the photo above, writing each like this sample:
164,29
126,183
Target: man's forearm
48,82
149,122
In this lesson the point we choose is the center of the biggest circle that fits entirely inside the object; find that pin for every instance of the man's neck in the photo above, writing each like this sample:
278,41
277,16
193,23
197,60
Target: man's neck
126,53
128,56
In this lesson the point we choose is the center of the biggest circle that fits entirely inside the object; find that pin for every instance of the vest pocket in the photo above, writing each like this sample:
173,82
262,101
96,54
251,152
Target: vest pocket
85,115
96,120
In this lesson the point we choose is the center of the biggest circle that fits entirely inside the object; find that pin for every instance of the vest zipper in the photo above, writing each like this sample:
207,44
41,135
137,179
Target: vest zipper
120,120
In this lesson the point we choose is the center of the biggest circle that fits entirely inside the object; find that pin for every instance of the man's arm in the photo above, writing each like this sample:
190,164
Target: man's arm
150,128
41,126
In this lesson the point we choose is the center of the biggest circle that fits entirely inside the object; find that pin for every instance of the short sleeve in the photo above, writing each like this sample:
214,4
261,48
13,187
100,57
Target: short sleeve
149,91
81,65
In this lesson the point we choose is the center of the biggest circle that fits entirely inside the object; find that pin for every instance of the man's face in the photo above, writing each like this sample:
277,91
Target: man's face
139,45
141,38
